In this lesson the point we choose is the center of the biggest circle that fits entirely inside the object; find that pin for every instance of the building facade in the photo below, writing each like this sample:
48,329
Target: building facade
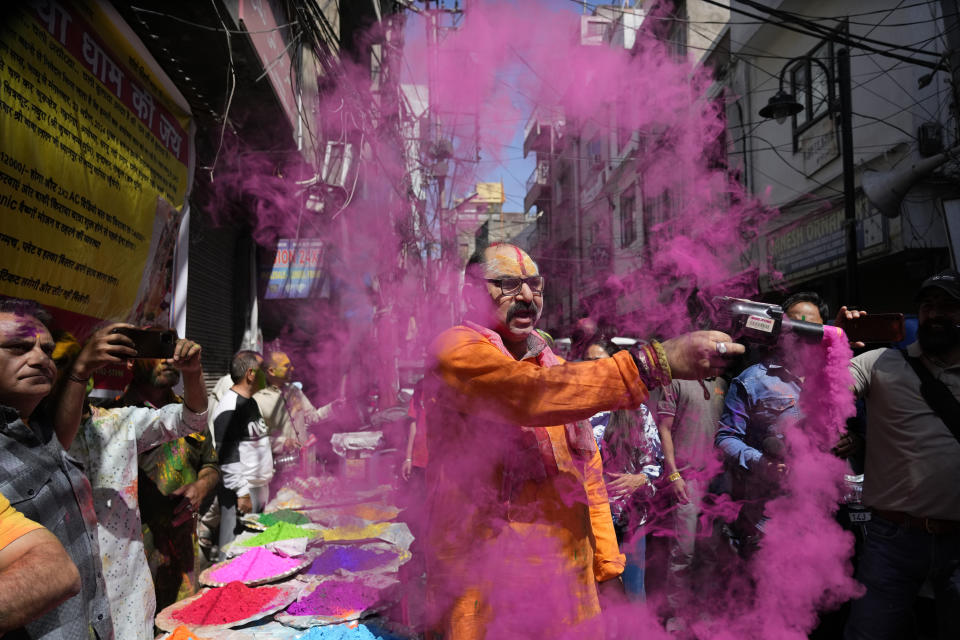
595,218
901,114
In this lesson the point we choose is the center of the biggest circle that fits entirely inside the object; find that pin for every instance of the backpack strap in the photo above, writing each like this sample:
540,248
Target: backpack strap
937,395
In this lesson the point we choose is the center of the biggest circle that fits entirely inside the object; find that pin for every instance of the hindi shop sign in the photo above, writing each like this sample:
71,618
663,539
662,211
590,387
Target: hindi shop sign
296,268
95,166
817,242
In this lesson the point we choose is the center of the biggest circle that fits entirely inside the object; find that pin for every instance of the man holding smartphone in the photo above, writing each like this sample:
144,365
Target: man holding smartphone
757,408
108,444
176,478
912,473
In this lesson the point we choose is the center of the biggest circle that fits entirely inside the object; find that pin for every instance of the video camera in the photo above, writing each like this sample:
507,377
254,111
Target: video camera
762,323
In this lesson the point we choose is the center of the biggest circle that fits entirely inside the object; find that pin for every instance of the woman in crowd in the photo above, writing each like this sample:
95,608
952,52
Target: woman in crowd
632,460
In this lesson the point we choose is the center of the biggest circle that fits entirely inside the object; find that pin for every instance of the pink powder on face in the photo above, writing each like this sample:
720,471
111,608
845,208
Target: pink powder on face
256,564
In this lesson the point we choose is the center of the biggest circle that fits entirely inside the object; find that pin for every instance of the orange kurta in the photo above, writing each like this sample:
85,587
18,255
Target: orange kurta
515,546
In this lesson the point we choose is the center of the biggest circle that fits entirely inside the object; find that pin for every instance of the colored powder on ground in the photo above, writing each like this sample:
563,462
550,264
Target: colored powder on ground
339,632
368,532
335,598
224,605
279,531
182,633
256,564
374,513
283,515
349,559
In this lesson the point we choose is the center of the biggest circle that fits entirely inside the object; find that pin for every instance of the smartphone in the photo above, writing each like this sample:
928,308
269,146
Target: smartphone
876,328
151,343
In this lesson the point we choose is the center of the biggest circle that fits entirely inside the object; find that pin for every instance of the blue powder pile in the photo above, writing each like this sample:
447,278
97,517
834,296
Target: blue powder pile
339,632
348,558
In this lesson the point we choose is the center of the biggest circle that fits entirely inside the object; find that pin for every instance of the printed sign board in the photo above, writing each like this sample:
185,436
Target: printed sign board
296,268
95,166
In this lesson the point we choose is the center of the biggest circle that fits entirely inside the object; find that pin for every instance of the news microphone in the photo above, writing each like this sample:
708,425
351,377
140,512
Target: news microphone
762,323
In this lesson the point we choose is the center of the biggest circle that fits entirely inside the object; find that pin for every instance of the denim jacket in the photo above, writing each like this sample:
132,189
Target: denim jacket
760,403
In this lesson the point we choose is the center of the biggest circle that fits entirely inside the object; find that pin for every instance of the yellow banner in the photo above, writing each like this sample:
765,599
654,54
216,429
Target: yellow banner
94,166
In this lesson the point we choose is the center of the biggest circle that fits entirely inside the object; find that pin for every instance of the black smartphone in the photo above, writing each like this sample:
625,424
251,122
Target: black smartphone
151,343
876,328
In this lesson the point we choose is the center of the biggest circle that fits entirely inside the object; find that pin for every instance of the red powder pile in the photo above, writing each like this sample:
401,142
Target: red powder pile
231,603
335,599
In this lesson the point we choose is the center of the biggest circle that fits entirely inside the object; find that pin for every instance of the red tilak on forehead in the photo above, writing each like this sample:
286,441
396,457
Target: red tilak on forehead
523,269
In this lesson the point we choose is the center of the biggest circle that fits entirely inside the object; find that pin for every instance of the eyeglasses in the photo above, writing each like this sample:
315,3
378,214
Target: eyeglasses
512,286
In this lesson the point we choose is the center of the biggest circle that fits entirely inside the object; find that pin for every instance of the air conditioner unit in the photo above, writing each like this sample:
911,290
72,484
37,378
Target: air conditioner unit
593,30
337,163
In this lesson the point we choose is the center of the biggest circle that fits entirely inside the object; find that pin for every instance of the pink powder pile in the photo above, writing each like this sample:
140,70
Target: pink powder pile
335,598
256,564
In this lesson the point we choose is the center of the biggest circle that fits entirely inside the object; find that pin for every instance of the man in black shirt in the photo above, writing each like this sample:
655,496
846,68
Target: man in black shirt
243,446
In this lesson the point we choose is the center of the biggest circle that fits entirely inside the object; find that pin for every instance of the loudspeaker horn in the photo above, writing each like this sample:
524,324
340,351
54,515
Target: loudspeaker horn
886,189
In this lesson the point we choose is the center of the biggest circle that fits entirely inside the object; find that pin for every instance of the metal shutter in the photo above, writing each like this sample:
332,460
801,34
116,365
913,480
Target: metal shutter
211,293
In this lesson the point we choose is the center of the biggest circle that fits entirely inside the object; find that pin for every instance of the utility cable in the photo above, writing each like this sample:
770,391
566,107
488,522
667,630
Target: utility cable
232,81
826,32
836,38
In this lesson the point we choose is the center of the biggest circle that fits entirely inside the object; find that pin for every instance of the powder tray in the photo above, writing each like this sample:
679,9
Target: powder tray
206,580
251,521
166,622
389,594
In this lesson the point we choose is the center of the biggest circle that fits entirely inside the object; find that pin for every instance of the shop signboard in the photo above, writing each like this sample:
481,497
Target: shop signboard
817,242
95,167
296,267
818,145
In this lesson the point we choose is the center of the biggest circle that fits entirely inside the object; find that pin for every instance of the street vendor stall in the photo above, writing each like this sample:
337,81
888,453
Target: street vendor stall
321,562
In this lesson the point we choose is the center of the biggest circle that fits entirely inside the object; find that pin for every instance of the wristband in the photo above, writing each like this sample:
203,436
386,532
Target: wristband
651,361
673,477
662,361
75,378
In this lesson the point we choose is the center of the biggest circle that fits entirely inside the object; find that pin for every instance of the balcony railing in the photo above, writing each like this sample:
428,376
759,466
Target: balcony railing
538,186
539,129
540,175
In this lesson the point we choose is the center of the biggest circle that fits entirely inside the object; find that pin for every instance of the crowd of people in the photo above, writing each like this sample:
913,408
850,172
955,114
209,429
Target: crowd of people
521,500
535,479
101,504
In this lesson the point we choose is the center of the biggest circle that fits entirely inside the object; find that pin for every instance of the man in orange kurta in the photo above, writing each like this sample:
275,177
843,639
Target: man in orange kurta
519,533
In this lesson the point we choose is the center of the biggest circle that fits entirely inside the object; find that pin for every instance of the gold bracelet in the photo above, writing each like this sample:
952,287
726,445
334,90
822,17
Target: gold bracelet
673,477
662,361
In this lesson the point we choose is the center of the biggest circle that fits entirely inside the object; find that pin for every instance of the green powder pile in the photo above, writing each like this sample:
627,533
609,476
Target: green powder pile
283,515
279,531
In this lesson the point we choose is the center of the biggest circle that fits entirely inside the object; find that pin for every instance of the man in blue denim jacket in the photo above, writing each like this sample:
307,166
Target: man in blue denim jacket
761,402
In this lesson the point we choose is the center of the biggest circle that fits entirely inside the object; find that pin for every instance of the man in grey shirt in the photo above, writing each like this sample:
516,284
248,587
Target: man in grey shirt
38,477
687,414
912,476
